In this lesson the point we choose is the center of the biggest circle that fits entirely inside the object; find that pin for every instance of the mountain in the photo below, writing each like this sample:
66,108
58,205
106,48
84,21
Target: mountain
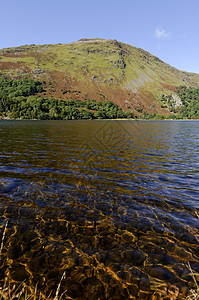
98,69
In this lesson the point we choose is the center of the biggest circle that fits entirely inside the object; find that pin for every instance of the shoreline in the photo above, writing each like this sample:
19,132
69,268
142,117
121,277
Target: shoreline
124,119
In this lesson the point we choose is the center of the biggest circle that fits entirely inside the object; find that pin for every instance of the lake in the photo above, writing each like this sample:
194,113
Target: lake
112,203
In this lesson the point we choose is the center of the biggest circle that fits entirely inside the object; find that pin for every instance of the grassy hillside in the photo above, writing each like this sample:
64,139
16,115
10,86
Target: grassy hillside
97,69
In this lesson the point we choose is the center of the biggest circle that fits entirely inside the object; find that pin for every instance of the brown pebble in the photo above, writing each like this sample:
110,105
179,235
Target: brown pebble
128,237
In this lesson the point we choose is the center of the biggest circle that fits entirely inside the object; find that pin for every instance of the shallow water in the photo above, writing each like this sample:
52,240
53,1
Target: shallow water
114,204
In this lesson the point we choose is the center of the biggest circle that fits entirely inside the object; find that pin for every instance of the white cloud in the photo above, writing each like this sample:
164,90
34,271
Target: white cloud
161,33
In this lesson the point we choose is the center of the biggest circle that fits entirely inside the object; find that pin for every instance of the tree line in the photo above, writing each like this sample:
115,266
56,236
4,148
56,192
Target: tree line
190,100
190,103
19,100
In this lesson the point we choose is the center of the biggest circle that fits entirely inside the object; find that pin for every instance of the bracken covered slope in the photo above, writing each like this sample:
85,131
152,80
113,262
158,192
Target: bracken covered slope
97,69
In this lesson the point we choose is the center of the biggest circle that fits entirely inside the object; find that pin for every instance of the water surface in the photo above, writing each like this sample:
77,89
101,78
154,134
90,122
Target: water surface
114,204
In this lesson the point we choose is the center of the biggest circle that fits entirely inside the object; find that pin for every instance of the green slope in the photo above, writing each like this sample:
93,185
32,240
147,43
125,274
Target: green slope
98,69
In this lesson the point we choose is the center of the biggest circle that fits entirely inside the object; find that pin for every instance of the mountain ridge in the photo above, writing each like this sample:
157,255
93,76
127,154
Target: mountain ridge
98,69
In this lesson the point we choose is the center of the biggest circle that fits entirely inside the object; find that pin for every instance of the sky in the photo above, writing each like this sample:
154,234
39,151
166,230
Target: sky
168,29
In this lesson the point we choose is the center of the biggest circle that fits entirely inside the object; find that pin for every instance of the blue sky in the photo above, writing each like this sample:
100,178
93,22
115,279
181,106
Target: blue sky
165,28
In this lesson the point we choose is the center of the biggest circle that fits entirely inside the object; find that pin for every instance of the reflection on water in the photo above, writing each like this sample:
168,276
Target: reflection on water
112,203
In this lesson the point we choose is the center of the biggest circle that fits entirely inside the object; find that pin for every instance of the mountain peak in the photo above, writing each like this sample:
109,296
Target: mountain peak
90,40
98,69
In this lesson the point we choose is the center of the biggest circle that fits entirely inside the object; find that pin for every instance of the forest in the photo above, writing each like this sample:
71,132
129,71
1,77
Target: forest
19,99
190,103
190,100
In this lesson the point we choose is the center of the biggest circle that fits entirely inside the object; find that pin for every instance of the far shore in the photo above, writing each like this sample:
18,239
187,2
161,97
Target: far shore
124,119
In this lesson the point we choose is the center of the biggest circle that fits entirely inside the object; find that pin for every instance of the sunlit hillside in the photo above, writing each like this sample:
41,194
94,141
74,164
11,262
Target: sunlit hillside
97,69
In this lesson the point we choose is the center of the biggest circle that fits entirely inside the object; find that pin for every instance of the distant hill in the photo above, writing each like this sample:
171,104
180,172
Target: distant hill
98,69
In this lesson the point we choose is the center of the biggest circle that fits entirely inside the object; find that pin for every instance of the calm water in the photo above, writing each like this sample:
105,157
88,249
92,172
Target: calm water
114,204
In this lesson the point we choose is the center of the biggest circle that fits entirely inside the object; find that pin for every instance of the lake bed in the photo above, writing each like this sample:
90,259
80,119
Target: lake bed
114,204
